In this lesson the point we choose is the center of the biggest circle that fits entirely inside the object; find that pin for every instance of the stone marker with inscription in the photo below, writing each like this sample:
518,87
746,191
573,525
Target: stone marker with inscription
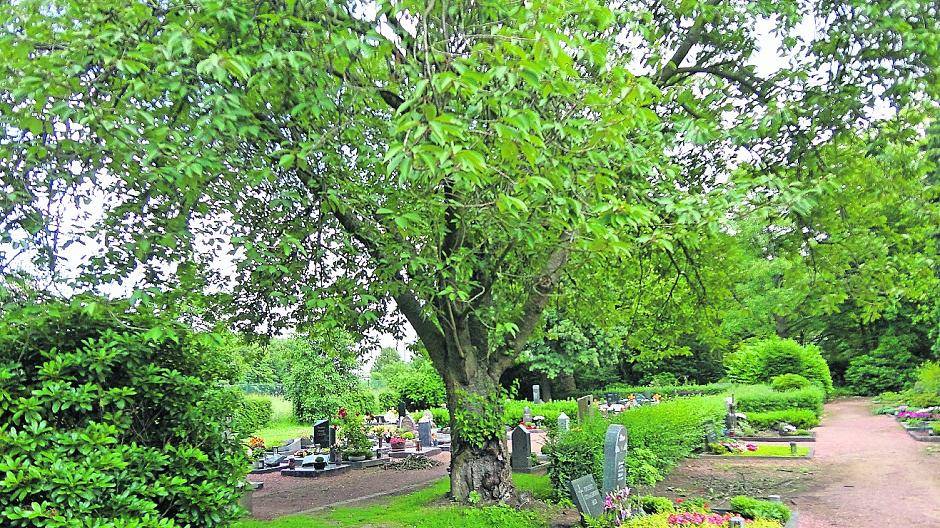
536,394
407,423
585,407
424,433
527,415
586,496
521,457
615,456
564,423
323,434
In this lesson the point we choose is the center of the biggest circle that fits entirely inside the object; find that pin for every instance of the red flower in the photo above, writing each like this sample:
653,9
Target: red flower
680,501
342,412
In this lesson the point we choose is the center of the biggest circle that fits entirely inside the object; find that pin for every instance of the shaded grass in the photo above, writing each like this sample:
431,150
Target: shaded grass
426,508
283,425
771,450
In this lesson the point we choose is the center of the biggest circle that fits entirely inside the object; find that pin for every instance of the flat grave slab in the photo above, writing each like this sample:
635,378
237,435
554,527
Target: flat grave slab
371,462
310,472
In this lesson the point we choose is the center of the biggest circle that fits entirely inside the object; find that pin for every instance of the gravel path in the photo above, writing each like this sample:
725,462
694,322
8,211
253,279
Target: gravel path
869,473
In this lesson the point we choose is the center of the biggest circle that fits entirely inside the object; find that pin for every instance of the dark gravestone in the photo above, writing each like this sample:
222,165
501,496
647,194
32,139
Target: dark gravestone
615,456
585,407
424,434
521,458
611,398
323,434
402,410
586,496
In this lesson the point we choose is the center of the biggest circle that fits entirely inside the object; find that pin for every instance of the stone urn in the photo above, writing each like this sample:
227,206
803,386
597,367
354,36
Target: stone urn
319,463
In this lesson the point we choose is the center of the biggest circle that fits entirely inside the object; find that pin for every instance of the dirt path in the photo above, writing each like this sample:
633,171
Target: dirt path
870,473
866,473
286,495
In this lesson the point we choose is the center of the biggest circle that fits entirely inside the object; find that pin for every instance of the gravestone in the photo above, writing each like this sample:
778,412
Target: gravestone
736,522
731,418
323,434
274,460
615,456
585,407
291,447
424,433
564,423
586,496
536,394
427,417
407,423
521,458
710,437
308,460
402,412
527,415
611,398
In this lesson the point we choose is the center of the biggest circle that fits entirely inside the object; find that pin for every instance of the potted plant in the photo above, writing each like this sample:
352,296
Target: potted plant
319,462
397,443
256,451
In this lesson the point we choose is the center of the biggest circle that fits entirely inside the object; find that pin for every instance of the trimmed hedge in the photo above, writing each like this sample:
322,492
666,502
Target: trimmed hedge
253,413
659,437
513,410
761,398
799,418
788,382
666,390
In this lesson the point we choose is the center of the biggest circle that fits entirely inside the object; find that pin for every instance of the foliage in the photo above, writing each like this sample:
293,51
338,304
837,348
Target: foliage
652,504
787,382
440,414
927,380
478,418
320,373
889,367
659,435
799,418
82,386
352,434
760,509
253,413
761,398
416,383
761,360
624,391
661,520
514,409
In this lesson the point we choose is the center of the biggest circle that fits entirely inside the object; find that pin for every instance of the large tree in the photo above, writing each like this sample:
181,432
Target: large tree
446,159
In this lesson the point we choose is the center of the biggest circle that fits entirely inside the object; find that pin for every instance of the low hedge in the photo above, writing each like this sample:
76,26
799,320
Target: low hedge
513,411
659,437
752,508
253,413
761,398
799,418
666,390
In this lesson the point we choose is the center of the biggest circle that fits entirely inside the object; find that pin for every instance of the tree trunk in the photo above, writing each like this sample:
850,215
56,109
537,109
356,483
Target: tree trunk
479,455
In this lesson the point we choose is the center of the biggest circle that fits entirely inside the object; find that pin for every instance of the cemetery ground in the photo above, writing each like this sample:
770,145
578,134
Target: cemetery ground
866,473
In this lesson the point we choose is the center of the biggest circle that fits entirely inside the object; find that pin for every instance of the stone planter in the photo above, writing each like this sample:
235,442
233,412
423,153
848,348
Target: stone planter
358,458
319,465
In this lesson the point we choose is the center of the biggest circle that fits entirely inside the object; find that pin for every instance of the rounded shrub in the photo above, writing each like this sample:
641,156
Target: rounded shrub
788,382
108,418
761,360
889,367
253,413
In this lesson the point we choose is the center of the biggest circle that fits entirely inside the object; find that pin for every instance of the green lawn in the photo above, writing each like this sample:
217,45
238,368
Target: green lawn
283,426
772,450
422,509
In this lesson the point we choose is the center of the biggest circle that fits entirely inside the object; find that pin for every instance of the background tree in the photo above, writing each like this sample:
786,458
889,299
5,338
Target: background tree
445,159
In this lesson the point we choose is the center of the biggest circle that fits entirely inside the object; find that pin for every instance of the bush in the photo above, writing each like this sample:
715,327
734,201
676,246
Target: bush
417,384
799,418
889,367
388,399
651,504
760,509
788,382
320,374
760,361
513,410
110,419
661,520
659,436
253,413
441,416
667,390
761,398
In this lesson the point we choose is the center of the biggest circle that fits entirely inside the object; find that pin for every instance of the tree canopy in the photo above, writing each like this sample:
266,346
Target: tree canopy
450,163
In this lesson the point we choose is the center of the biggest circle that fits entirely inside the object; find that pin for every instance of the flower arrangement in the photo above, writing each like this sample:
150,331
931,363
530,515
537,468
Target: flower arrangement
914,415
256,442
617,506
397,442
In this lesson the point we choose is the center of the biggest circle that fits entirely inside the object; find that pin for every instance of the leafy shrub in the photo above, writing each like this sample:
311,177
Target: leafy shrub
760,361
320,374
268,389
440,414
935,427
926,391
800,418
361,401
651,504
416,383
110,419
889,367
253,413
668,390
788,382
659,436
761,398
661,520
388,399
760,509
513,410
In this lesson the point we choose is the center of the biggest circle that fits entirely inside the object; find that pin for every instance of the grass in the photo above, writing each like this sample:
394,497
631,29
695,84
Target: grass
772,450
425,508
283,426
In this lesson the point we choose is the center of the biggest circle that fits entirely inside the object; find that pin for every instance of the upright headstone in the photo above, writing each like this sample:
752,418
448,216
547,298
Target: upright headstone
710,436
586,496
564,423
527,415
407,423
424,433
585,407
521,458
402,412
731,418
615,457
323,434
611,398
536,394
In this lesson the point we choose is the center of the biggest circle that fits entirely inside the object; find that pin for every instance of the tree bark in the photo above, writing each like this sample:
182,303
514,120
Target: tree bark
472,377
